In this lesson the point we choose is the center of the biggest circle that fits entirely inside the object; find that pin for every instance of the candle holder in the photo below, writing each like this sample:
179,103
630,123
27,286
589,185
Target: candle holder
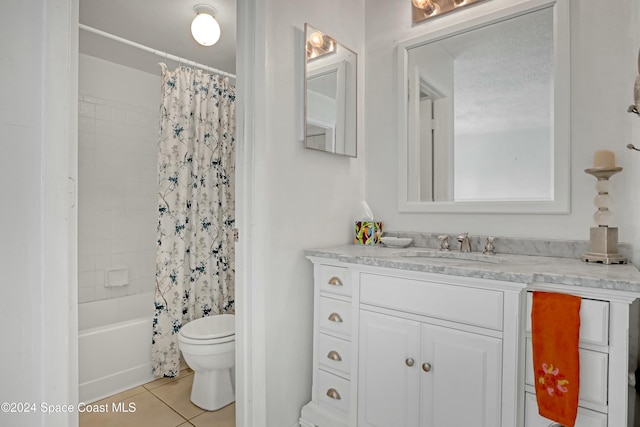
604,239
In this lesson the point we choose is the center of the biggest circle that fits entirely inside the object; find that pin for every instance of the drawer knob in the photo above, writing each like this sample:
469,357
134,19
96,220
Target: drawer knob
426,367
335,317
333,393
335,281
334,355
409,362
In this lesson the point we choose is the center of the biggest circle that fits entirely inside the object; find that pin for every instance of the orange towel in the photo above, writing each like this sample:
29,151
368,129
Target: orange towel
555,320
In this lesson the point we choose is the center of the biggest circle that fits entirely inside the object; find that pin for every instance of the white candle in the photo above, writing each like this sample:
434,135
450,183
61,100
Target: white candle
604,159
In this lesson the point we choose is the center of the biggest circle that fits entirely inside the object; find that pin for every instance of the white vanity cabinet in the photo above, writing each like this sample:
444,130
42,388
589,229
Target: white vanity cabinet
416,349
433,351
334,362
417,374
403,343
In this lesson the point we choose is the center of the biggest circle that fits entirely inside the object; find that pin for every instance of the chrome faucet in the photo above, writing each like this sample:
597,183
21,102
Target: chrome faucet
465,245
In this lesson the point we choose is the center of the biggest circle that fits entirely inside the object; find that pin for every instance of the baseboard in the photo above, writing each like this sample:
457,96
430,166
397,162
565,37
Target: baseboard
108,386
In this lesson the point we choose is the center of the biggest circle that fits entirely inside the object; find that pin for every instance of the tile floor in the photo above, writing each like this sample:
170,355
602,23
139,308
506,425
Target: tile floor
160,403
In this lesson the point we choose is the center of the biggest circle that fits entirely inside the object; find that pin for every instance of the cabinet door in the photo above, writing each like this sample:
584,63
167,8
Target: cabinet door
460,378
388,378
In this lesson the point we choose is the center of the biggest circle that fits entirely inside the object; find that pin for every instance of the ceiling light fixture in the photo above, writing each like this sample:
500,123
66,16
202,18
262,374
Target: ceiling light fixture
424,9
204,28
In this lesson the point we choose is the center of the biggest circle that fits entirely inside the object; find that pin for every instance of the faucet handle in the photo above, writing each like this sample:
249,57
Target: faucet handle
489,247
444,242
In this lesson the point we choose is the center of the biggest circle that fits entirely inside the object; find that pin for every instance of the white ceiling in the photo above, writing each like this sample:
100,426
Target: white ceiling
159,24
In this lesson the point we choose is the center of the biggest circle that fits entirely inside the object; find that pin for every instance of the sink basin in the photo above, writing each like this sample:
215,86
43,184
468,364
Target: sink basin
463,256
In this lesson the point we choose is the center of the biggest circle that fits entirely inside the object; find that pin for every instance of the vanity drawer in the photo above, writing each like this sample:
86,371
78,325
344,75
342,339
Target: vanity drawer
462,304
594,320
594,368
335,280
334,353
334,317
334,391
586,418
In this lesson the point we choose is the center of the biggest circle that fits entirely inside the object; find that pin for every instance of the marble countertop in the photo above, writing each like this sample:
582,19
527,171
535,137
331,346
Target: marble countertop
525,269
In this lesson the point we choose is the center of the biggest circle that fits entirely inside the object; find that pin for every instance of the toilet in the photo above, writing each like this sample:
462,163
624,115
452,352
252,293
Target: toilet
208,345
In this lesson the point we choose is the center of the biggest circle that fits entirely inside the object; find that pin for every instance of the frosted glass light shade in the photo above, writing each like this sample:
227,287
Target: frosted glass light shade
205,29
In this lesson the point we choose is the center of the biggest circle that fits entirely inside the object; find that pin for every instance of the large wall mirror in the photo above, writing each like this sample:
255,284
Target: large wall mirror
330,94
484,113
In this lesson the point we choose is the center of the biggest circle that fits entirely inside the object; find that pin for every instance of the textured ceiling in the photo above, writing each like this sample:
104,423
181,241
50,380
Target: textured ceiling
159,24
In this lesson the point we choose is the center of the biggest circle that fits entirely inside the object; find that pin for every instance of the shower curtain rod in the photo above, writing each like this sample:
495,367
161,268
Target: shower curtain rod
154,51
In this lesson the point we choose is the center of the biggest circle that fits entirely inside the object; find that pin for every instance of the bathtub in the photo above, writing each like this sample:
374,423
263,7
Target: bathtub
114,345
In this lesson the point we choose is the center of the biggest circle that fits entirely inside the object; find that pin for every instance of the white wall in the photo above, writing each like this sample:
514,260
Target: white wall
36,118
603,56
301,198
20,170
117,195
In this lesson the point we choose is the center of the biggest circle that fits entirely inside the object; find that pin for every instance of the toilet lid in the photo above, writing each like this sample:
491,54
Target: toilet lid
210,327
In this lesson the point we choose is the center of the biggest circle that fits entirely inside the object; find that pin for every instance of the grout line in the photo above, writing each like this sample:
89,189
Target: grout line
166,403
160,385
150,391
170,407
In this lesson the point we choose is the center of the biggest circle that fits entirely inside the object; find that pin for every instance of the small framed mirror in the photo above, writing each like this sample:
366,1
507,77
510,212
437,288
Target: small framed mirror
330,91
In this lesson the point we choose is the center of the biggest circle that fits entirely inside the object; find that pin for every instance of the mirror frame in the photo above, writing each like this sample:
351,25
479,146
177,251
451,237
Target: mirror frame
561,118
347,92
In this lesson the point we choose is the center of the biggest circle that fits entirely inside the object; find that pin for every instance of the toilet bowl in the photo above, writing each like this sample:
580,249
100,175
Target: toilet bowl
208,346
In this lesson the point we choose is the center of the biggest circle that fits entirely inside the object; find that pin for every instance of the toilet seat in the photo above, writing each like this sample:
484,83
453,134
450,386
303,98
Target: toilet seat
213,329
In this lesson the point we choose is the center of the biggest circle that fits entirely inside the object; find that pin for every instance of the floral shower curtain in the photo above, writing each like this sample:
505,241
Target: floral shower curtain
195,250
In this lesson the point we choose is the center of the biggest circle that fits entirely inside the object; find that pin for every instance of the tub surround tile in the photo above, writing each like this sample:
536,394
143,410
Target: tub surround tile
135,306
117,156
86,295
98,313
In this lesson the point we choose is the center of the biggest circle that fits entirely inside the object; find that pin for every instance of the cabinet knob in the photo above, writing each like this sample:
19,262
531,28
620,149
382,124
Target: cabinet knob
335,281
333,393
426,367
409,362
335,317
334,355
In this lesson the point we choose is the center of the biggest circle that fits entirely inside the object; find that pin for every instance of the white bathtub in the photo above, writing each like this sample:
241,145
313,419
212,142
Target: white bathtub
114,345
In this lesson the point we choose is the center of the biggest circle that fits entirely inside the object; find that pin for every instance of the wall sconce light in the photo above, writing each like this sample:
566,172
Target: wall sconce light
204,28
319,44
425,9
